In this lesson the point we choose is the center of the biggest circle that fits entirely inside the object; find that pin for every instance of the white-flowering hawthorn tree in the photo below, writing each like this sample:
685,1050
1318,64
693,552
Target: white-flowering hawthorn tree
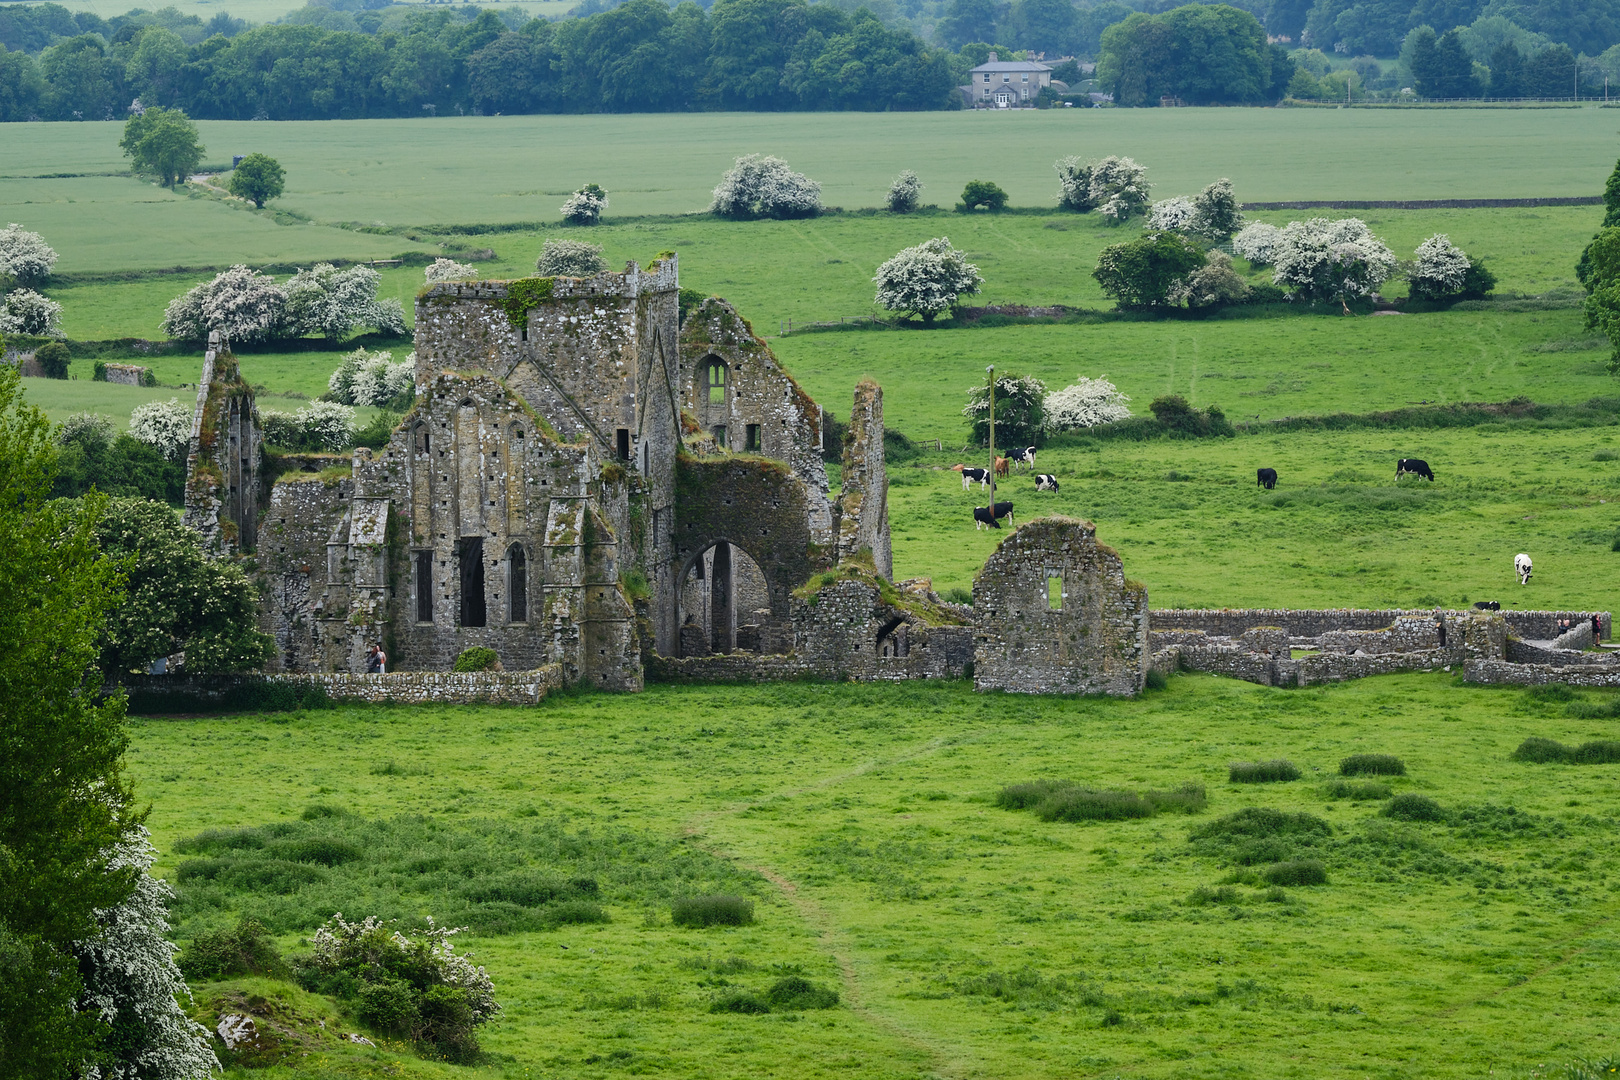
585,206
25,255
927,279
757,186
1119,189
1216,212
1174,215
1257,242
1074,184
24,311
1331,260
447,270
1440,269
1087,403
241,303
570,258
905,193
334,303
372,378
163,425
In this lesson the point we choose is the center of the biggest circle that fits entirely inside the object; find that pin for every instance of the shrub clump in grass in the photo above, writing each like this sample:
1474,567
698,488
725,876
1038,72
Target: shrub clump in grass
1356,790
1296,872
1372,765
1204,896
704,911
794,993
739,1001
1061,800
1542,751
1259,835
1408,806
1278,770
245,949
477,658
1555,693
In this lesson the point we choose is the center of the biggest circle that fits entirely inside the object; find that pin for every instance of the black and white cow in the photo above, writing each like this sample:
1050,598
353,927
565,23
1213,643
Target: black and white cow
1022,455
1521,566
982,517
1487,605
1414,466
1266,478
970,474
1046,482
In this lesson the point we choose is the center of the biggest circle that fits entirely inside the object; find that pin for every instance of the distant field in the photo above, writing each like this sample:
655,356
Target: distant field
968,940
61,399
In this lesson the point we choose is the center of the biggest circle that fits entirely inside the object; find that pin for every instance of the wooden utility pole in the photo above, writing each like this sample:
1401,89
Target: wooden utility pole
992,370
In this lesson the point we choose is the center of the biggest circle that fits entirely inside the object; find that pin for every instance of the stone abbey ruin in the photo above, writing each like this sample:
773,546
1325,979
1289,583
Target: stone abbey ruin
605,481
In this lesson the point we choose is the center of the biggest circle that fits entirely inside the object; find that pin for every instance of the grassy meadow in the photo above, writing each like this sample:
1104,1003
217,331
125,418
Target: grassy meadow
964,939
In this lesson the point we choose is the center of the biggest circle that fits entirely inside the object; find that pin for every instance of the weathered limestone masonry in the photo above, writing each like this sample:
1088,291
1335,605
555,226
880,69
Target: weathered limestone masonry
1313,623
863,504
223,460
1503,672
125,374
1055,614
403,688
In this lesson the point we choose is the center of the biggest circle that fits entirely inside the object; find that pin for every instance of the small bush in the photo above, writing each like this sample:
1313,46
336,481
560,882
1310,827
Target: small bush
1598,752
1411,807
570,258
1259,822
794,993
388,1006
1204,896
1296,872
317,849
1027,795
703,911
245,949
983,193
577,912
1372,765
739,1001
477,658
1156,680
1540,751
1557,693
1357,790
1062,800
53,358
1278,770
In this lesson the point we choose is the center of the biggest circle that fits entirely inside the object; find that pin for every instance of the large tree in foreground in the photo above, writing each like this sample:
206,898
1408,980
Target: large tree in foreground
64,802
164,142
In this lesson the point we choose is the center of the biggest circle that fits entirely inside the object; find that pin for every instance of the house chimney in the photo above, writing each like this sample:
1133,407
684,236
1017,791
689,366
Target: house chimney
992,57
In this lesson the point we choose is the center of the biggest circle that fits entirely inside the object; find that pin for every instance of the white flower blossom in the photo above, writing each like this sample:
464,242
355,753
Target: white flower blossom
372,378
1172,215
321,426
24,311
448,270
85,427
570,258
1074,184
1119,188
1441,268
1257,242
25,255
1087,403
585,206
1331,260
926,279
243,304
334,303
905,193
765,187
163,425
1216,213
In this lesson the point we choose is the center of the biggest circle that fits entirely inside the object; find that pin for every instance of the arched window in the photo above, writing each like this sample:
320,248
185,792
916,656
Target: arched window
714,381
517,584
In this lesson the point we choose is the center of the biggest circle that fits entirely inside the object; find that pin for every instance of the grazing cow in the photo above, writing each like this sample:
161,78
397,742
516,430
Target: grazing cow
1487,605
1267,478
970,474
1004,510
982,517
1001,466
1046,482
1415,466
1022,455
1521,566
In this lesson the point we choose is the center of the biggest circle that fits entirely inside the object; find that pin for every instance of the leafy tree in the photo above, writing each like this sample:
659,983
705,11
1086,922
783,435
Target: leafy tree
905,193
967,21
53,358
177,597
1201,53
258,178
1550,73
570,258
585,206
1213,285
25,255
1331,260
93,458
1177,414
1600,273
757,186
983,193
1216,211
1074,184
64,801
1119,189
927,279
1441,67
1440,270
24,311
334,303
1046,26
1020,411
1507,71
165,426
1145,272
243,304
164,142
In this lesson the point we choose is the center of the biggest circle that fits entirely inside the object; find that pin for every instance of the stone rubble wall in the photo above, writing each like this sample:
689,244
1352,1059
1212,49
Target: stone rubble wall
1577,637
1313,623
1337,667
125,374
863,503
1408,633
395,688
1522,652
1505,673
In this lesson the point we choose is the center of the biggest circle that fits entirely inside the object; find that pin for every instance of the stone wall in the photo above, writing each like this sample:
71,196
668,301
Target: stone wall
1505,673
1408,633
1522,652
1054,613
224,456
1577,637
863,502
125,374
1313,623
402,688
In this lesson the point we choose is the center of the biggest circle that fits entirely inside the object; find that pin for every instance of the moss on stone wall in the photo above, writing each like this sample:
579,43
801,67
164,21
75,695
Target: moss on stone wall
523,296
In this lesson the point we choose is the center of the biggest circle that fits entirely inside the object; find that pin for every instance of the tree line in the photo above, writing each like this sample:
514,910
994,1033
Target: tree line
644,56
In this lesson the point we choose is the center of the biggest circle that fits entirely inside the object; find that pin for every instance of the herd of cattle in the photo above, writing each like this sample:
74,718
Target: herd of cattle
987,516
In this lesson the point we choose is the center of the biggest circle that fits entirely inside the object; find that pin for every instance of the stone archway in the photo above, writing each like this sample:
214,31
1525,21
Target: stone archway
724,603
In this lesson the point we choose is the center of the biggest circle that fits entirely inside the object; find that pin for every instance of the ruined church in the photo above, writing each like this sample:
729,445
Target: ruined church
619,479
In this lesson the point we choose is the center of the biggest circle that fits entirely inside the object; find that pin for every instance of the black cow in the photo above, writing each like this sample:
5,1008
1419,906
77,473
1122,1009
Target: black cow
1267,478
1487,605
1004,510
1024,455
982,517
1046,482
1413,466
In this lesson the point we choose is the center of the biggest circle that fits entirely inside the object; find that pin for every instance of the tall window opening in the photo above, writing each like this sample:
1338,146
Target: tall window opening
423,439
424,586
714,381
517,584
472,581
719,433
623,439
1054,592
752,445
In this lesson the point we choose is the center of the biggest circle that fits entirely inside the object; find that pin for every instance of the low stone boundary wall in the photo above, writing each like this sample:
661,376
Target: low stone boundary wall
1338,667
1266,670
1314,622
1522,652
395,688
1501,673
1231,661
748,667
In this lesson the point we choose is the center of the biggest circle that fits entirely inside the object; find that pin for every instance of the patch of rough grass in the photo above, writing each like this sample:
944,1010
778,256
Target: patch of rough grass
1259,835
1541,751
705,911
1278,770
1203,896
1409,806
1062,800
794,992
1372,765
1296,872
1355,790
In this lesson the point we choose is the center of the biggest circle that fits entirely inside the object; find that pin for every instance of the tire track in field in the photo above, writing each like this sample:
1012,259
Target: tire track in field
832,939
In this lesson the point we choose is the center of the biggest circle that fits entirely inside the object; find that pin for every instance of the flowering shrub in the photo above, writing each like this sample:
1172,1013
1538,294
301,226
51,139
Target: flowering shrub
24,311
132,983
334,303
905,194
1020,417
85,427
1074,184
1331,260
1119,189
1147,272
320,426
371,378
1257,242
1175,215
163,425
1215,284
243,304
448,270
1440,271
926,279
765,187
25,255
1216,214
570,258
585,206
1087,403
421,989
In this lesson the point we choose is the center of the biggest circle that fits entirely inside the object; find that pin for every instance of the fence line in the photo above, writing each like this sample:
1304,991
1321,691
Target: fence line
788,326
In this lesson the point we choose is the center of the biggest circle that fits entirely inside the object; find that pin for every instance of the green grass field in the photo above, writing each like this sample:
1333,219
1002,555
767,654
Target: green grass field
968,940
